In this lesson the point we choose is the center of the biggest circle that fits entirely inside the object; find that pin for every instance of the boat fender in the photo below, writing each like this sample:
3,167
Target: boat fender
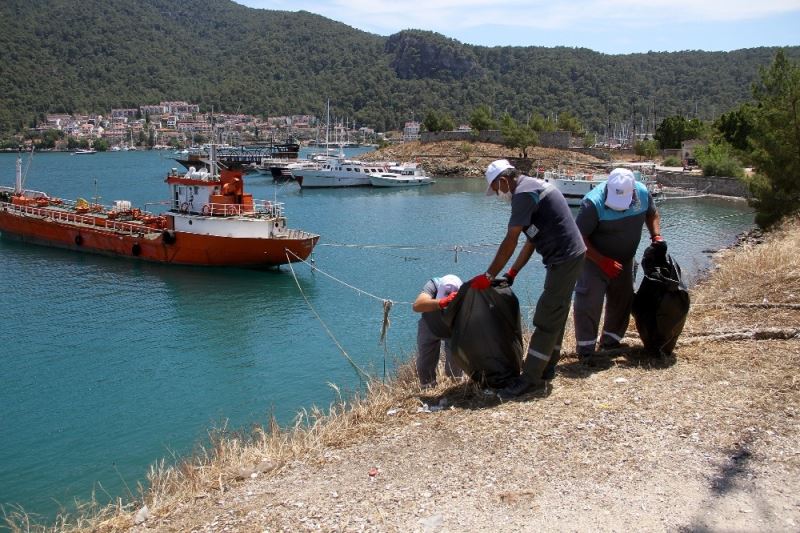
136,250
168,236
78,240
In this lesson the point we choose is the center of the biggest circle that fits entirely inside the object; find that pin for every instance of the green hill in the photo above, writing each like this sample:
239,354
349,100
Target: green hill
92,55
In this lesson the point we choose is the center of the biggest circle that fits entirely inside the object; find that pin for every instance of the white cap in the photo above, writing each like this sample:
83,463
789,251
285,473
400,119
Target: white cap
446,285
619,189
493,170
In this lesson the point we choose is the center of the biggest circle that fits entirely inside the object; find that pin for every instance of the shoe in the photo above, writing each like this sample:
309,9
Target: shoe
594,360
613,345
519,386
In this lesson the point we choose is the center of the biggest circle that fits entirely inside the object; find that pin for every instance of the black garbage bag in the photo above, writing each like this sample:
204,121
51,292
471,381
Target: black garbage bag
661,304
486,334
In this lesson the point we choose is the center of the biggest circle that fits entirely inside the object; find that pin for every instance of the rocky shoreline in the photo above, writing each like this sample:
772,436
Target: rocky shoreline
462,159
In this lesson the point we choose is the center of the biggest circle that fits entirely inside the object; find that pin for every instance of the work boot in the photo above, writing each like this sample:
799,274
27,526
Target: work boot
519,386
611,344
595,360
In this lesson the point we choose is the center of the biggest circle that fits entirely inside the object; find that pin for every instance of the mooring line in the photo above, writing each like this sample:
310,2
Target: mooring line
360,291
324,325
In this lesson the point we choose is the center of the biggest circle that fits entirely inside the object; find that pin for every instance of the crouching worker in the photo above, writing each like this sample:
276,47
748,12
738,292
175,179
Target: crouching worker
432,331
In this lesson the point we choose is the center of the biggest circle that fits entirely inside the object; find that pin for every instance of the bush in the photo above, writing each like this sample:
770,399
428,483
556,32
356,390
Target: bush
672,161
717,159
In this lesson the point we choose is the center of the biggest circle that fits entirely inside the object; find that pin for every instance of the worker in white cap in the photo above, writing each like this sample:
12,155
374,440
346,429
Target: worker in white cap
540,212
432,332
611,219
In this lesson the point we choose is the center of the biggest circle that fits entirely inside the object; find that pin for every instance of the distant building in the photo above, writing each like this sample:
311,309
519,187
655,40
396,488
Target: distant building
124,114
411,131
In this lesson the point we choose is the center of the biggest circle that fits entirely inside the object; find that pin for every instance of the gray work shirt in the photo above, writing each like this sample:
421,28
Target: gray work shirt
546,220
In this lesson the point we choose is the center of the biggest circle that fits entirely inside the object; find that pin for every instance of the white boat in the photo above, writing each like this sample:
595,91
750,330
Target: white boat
574,186
405,175
389,179
85,151
339,172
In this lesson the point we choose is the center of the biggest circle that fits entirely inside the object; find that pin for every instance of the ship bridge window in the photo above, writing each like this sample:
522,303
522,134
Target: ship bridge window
349,169
357,169
196,189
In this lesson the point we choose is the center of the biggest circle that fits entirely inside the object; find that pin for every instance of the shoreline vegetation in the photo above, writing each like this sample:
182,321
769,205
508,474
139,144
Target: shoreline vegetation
708,439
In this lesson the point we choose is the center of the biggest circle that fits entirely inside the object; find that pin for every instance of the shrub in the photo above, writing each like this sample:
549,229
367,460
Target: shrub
672,161
717,159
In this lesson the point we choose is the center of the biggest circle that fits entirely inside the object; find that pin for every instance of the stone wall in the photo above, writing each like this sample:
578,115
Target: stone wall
705,184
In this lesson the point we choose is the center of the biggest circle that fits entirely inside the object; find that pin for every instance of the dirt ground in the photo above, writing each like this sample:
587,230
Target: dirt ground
707,440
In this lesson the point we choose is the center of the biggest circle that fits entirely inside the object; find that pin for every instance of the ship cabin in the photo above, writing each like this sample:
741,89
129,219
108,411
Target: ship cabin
200,192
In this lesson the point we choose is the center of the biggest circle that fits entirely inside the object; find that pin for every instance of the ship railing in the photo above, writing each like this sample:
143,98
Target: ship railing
130,228
258,209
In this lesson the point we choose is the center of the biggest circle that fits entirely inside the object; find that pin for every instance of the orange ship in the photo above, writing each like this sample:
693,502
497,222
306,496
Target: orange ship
211,222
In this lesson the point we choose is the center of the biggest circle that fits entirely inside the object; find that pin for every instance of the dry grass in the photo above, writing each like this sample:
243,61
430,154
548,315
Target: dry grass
686,414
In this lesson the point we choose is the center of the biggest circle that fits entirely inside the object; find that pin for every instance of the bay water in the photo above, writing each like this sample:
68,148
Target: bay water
109,365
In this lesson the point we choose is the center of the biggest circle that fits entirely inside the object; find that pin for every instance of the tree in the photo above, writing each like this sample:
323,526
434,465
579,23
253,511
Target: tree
481,119
540,124
516,135
435,121
675,129
647,149
568,122
736,126
776,142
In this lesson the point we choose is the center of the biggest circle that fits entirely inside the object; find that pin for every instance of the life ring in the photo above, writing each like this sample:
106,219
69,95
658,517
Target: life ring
136,249
184,207
78,240
206,211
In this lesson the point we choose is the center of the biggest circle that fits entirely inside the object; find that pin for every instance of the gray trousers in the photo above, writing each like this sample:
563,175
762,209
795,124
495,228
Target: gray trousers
428,350
593,287
549,319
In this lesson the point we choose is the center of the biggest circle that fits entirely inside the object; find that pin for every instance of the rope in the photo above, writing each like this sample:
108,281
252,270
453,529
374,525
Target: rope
324,325
360,291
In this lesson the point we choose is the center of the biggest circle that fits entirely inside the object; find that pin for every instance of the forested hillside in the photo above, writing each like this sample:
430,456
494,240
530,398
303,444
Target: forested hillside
91,55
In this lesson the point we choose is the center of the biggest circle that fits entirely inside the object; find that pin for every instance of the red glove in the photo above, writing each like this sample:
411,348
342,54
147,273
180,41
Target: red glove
510,276
481,282
444,302
610,268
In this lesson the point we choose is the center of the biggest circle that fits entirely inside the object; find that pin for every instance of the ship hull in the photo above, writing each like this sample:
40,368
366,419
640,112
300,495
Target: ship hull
172,247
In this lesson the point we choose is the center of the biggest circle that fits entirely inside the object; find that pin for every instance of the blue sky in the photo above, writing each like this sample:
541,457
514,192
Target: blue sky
609,26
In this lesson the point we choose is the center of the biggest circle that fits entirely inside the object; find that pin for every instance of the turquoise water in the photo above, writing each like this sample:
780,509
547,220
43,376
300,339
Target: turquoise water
110,365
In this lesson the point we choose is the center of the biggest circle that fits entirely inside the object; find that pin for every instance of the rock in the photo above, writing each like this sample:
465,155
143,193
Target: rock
431,523
142,515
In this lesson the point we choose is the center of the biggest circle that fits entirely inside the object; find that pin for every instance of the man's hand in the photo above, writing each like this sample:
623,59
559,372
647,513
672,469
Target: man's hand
610,268
509,276
444,302
481,282
657,241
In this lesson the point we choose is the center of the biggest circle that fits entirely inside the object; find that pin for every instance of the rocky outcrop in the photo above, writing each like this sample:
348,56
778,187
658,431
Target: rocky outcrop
421,54
470,159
